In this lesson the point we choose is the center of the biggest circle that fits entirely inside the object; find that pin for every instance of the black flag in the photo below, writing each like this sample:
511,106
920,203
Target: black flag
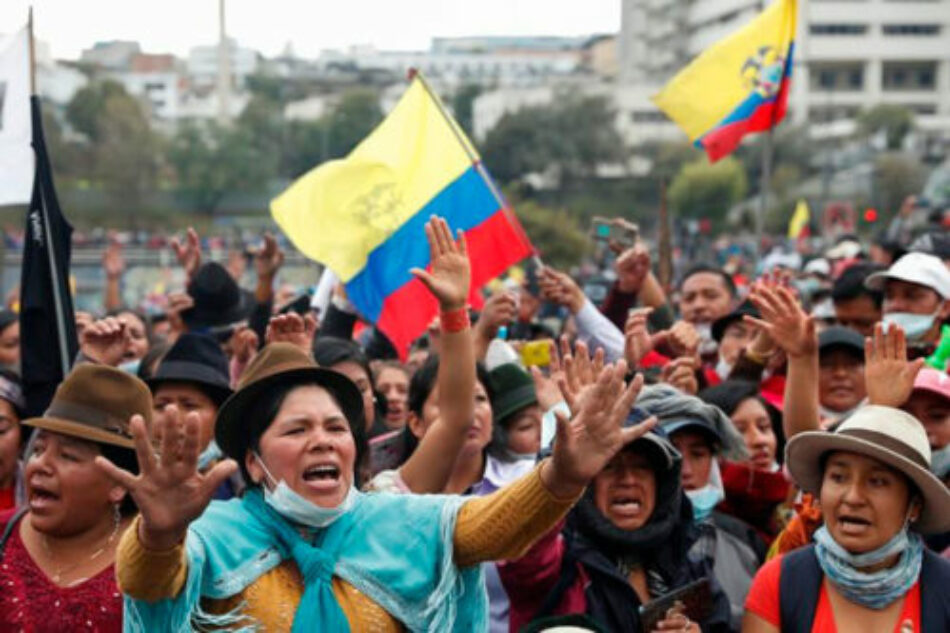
48,342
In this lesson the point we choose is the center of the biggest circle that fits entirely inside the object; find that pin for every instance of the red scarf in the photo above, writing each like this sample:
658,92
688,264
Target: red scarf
753,496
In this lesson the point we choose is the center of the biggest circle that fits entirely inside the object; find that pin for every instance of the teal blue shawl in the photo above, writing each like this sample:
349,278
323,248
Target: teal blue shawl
395,549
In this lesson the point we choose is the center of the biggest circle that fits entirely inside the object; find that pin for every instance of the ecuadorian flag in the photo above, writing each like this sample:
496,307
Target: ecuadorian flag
363,216
737,86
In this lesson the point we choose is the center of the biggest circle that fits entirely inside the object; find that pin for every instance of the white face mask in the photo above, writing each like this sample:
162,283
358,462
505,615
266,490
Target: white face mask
707,344
915,326
297,509
723,369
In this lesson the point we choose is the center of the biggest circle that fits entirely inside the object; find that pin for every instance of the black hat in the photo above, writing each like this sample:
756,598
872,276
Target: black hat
719,325
198,359
837,336
218,299
512,389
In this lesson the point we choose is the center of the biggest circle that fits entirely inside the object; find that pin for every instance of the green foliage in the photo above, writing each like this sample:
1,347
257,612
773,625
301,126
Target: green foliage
896,176
569,138
353,118
84,110
702,190
211,162
462,104
557,234
896,121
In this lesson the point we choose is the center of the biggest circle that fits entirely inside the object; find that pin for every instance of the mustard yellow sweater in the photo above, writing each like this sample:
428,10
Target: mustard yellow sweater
499,526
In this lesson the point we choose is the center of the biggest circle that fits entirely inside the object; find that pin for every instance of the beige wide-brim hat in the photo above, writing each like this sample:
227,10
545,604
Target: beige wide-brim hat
888,435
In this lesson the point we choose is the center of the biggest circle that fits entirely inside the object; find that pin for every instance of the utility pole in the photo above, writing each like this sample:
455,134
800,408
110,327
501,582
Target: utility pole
224,68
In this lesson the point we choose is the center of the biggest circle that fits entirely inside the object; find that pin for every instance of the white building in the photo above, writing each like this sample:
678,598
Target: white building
850,54
202,64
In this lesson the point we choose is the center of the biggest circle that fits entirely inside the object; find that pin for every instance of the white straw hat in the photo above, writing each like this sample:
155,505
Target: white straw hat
888,435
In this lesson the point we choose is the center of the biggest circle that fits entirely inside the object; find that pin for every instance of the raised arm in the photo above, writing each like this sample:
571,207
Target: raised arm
888,374
429,467
793,331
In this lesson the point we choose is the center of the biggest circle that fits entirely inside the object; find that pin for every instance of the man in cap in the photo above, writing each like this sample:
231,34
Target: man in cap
916,297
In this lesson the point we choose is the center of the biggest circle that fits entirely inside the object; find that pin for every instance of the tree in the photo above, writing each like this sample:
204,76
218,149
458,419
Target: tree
569,137
556,234
211,162
896,176
84,110
353,118
702,190
462,105
894,120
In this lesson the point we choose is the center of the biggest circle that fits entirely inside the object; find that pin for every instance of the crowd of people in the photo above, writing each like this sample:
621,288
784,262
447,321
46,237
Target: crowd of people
747,450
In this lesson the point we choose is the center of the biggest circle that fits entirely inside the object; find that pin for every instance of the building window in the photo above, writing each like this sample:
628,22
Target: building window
838,29
917,30
837,77
909,76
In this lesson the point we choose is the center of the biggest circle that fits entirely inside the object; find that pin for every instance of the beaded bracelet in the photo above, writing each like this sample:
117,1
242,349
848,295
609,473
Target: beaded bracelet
455,321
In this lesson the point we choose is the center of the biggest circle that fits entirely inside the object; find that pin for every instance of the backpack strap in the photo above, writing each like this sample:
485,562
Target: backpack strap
934,580
8,529
799,588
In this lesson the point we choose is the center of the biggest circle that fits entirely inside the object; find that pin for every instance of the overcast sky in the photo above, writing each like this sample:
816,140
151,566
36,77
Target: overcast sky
174,26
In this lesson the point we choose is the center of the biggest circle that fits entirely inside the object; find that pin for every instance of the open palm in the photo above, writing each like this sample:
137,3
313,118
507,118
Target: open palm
169,491
449,276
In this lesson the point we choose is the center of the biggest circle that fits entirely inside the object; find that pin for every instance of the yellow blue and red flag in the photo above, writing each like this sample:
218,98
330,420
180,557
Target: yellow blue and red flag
363,216
737,86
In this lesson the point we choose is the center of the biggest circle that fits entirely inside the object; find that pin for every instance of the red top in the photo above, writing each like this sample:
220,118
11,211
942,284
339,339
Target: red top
31,603
7,497
763,600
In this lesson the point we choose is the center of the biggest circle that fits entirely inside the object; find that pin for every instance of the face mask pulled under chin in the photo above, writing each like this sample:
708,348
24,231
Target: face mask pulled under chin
296,509
915,326
723,369
707,344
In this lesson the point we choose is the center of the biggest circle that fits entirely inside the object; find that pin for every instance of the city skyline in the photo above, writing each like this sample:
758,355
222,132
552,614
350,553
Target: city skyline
175,26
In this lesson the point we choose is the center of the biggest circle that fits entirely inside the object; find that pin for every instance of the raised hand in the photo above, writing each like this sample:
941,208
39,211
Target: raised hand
580,371
268,258
546,387
632,268
888,375
595,433
637,341
112,261
681,373
178,302
683,339
188,253
559,288
105,341
292,328
169,491
500,309
450,275
784,320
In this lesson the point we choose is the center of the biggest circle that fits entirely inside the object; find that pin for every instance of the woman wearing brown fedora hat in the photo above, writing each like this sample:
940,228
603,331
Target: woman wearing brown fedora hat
868,569
303,549
58,551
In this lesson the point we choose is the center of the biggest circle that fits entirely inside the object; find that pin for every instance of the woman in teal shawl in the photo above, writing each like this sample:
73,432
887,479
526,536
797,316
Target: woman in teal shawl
303,549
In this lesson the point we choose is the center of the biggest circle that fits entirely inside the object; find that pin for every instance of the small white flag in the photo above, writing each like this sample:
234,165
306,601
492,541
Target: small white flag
16,153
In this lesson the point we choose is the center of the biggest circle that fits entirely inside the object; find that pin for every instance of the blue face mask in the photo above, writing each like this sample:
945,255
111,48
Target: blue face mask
704,501
297,509
209,455
915,326
131,367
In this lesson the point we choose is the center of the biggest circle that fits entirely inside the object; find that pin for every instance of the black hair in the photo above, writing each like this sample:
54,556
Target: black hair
330,350
125,459
390,364
146,322
152,359
420,388
261,414
729,394
707,268
850,285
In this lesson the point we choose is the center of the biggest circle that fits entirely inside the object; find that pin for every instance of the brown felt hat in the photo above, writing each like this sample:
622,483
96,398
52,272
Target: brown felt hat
278,364
96,403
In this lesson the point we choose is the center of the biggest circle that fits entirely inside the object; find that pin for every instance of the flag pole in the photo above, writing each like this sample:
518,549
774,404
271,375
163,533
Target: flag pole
476,161
65,361
29,24
764,188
